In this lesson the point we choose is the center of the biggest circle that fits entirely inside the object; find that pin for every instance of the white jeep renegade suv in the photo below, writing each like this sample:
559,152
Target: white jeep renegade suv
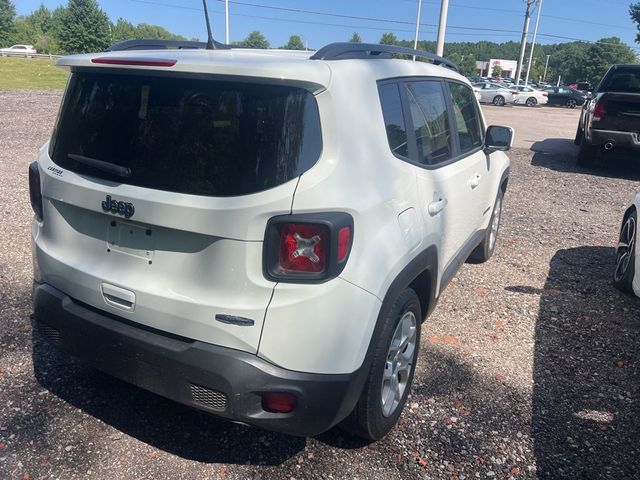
259,234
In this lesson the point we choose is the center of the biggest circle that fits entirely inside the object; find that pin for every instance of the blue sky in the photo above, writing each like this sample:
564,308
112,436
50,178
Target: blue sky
469,20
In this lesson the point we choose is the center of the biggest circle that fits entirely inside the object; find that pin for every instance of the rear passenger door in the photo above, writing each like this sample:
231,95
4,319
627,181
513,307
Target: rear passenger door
447,180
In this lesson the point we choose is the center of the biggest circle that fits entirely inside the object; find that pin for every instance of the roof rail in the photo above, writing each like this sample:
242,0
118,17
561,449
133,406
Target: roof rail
345,50
148,44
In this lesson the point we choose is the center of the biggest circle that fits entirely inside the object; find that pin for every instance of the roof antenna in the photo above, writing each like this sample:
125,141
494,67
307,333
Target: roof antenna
211,45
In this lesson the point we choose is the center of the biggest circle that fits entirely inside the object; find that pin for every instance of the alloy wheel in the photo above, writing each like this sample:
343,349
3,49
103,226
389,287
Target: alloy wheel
571,103
397,369
495,223
625,250
531,102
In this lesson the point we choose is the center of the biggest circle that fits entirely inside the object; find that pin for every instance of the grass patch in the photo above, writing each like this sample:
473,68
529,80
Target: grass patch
31,73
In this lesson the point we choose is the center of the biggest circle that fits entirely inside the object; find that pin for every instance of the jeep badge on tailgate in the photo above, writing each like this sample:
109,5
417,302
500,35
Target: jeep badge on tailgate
121,208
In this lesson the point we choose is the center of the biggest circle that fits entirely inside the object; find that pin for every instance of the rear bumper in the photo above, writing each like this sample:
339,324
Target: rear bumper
628,140
219,380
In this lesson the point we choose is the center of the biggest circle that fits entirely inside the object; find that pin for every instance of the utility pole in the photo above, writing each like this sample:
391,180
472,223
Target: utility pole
226,17
533,42
444,10
546,65
523,42
415,42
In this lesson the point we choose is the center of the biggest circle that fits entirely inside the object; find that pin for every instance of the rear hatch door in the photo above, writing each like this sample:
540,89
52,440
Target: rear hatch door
166,229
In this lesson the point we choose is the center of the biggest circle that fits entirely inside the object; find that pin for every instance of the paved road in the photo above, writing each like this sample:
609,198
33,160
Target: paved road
529,365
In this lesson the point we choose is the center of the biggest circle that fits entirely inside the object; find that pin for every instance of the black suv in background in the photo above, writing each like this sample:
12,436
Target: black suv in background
610,120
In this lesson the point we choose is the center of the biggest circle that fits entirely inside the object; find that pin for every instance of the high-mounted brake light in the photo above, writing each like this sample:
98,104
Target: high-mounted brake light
309,248
137,61
600,110
35,190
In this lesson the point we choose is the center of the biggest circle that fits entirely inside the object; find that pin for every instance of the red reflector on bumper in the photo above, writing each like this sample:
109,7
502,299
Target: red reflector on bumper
278,402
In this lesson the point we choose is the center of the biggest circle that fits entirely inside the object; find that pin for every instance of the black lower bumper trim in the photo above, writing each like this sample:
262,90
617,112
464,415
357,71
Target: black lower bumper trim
618,139
216,379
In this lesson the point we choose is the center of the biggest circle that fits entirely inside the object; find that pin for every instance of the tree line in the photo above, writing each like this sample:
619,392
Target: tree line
81,26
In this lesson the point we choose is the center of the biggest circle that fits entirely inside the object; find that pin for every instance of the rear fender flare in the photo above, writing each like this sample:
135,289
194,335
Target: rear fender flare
426,262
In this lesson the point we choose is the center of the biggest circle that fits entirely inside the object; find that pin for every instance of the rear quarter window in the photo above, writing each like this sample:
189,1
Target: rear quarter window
195,136
394,118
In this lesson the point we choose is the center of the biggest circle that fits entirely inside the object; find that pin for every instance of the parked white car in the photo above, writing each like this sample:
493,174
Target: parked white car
261,240
529,96
494,93
626,276
18,50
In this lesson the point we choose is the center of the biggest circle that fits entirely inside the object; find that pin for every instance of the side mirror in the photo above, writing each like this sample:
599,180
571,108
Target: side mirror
498,139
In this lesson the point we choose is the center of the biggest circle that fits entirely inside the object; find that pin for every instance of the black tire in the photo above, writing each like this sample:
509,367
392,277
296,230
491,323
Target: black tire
626,254
586,154
531,102
368,419
571,103
579,136
485,250
498,101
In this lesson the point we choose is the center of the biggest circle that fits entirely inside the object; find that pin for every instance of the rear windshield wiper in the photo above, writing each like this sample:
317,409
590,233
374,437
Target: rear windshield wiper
102,165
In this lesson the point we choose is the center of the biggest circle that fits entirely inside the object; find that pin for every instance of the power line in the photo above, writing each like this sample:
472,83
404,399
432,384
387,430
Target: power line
518,12
491,31
404,22
336,15
586,22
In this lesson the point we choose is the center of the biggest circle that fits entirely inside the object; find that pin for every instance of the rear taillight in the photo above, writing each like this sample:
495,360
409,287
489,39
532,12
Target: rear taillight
600,110
35,190
545,94
303,247
309,248
344,243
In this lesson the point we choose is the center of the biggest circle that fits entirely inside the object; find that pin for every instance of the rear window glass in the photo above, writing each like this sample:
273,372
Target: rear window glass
195,136
625,80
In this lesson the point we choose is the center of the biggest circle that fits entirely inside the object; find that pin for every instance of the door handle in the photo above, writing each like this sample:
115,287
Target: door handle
436,206
118,297
475,181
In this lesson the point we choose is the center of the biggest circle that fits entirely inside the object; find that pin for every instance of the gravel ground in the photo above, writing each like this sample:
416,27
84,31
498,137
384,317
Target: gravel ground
529,366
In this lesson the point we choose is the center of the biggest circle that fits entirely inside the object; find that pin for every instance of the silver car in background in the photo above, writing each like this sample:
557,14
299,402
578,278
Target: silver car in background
494,93
18,50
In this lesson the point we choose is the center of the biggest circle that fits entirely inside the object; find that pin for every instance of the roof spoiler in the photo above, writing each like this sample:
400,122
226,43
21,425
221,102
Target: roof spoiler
345,50
147,44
